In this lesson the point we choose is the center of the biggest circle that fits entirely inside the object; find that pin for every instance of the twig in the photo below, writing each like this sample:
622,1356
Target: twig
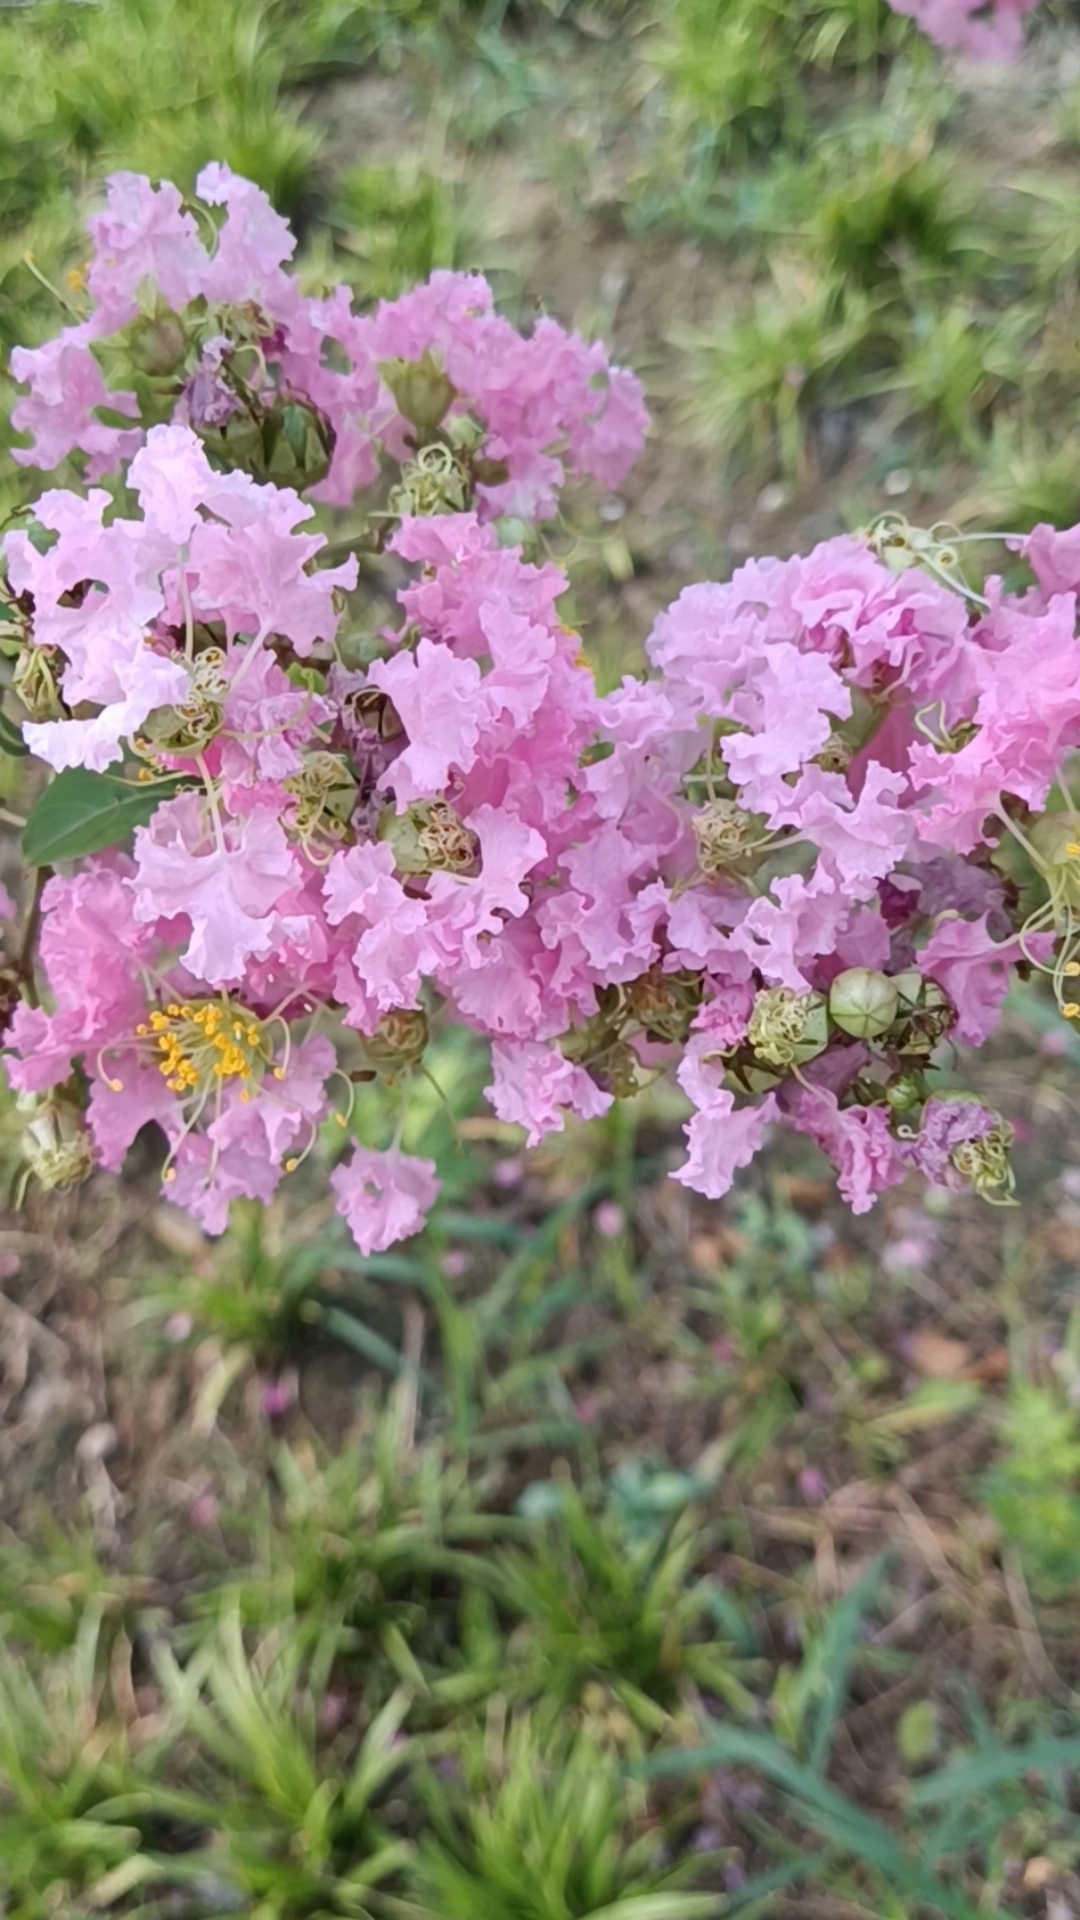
24,959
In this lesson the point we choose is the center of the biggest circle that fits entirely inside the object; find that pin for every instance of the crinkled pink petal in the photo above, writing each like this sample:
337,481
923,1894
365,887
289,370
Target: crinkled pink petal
384,1197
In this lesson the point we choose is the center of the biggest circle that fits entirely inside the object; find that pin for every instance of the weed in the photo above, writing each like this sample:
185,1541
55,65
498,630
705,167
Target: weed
597,1603
542,1827
293,1828
70,1787
1033,1490
396,224
736,70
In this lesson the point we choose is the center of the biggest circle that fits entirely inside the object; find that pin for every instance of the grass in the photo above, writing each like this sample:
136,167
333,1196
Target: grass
704,1559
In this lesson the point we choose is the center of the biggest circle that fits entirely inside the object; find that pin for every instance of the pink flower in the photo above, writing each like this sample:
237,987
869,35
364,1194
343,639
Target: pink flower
253,245
533,1084
974,970
443,710
225,883
66,388
969,26
721,1139
857,1140
383,1196
946,1125
143,235
395,948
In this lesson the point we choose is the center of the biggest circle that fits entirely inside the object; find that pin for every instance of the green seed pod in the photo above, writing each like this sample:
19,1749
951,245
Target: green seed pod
421,390
863,1002
925,1016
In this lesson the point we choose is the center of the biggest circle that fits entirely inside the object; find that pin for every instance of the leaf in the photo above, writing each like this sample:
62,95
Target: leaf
835,1654
371,1344
833,1818
11,740
82,812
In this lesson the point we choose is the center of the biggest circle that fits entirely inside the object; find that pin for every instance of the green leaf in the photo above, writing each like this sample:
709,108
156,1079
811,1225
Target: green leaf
11,740
833,1818
366,1341
835,1653
82,812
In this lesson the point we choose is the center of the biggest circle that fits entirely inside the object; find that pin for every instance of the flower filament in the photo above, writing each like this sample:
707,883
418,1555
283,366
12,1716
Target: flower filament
200,1046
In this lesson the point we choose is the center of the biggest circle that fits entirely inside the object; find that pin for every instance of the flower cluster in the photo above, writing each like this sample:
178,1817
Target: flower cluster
215,334
788,866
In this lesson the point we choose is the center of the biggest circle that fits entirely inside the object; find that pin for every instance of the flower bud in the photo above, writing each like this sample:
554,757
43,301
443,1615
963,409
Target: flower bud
55,1139
34,680
905,1091
157,343
1052,837
863,1002
786,1028
421,390
298,445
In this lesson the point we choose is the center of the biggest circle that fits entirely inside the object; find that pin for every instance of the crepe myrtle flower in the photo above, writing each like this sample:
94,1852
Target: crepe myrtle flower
797,866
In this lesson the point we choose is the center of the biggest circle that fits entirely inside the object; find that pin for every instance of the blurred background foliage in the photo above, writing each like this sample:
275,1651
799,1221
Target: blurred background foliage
601,1555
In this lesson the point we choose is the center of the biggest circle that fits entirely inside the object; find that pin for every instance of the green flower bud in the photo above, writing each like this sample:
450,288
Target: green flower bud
421,390
863,1002
297,443
465,433
34,680
511,532
1056,840
55,1140
786,1028
905,1091
157,343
